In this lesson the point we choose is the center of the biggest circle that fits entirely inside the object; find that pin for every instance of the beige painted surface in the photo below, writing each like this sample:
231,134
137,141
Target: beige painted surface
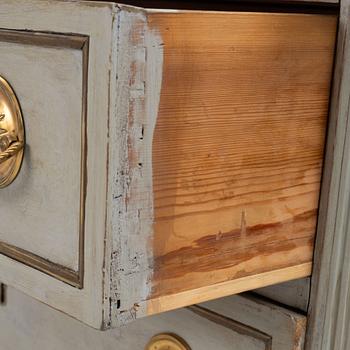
96,21
329,311
292,293
40,210
27,324
286,327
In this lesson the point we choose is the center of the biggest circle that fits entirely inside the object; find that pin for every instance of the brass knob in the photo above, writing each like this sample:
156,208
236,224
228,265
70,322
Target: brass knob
167,342
11,134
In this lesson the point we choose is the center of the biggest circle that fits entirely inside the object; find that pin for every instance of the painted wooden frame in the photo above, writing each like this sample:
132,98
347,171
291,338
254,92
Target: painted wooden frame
77,42
96,22
329,310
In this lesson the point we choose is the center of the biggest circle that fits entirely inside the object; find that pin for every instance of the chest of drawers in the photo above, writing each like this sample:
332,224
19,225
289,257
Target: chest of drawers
170,158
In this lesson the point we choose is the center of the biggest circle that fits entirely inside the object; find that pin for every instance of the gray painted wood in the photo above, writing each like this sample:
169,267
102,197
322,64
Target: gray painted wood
329,312
29,324
295,293
48,185
285,327
98,22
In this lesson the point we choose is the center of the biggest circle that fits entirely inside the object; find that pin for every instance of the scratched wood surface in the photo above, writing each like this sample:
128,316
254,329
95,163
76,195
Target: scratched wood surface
238,144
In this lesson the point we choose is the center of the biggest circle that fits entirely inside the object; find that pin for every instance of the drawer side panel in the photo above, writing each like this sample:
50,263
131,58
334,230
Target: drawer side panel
238,145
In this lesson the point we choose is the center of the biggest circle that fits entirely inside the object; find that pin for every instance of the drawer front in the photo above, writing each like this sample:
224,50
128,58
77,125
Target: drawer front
264,326
285,328
56,57
43,211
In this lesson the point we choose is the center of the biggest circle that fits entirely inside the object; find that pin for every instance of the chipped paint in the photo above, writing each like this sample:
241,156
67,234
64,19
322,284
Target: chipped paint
139,54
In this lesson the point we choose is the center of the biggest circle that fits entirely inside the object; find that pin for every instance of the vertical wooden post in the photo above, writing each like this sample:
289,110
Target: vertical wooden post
329,310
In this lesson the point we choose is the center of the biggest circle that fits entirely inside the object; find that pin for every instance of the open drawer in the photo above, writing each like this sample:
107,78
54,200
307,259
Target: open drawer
170,157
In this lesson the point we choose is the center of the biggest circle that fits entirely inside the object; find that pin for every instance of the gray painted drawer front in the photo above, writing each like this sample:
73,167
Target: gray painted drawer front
233,323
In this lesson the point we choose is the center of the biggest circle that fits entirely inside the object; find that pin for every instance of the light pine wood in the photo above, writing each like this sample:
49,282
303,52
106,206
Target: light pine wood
162,144
195,243
238,144
198,295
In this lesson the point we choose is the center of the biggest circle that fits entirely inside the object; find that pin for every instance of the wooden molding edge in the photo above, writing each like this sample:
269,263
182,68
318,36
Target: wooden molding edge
200,295
329,308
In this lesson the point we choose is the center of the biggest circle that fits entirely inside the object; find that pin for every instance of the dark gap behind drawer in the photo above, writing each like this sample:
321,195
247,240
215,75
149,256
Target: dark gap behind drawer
288,6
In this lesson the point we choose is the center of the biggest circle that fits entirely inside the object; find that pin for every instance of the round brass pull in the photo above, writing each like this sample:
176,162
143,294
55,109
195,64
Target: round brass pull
11,134
167,342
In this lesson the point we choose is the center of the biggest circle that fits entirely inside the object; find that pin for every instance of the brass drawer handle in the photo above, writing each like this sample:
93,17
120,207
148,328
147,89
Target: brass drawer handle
167,341
12,150
12,140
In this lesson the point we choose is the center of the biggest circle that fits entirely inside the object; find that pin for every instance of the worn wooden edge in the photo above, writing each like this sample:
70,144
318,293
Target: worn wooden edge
139,56
200,295
77,42
329,309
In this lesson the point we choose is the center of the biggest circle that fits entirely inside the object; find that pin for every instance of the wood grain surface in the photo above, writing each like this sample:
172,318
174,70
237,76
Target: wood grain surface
238,144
